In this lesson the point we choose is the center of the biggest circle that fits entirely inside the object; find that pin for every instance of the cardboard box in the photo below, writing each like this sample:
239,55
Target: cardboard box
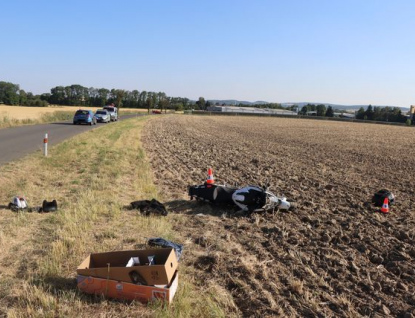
113,265
127,291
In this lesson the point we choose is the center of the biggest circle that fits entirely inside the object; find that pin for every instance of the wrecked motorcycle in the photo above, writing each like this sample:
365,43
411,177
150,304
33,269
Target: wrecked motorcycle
249,199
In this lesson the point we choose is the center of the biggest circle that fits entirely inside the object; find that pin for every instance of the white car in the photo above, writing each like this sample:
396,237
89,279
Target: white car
102,116
112,111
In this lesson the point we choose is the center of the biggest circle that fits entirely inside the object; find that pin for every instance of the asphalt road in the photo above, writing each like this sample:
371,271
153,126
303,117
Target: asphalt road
17,142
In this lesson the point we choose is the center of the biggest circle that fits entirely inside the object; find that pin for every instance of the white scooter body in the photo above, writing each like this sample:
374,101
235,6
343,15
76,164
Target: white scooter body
272,202
19,202
280,203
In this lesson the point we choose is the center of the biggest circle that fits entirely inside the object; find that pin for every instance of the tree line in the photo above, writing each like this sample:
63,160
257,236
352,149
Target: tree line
392,114
202,104
376,113
11,94
78,95
317,110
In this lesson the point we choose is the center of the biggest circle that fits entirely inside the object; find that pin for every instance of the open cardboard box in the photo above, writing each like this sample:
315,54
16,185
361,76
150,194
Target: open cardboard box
127,291
113,266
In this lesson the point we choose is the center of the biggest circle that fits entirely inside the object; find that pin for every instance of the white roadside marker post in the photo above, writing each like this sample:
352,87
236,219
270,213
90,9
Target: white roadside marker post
45,145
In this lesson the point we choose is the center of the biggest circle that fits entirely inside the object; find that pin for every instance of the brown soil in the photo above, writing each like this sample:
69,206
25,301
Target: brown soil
335,255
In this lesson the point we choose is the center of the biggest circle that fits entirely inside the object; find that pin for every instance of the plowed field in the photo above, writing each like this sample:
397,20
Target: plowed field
335,255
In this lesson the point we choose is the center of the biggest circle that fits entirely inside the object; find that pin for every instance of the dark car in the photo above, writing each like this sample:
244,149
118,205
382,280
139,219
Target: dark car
83,116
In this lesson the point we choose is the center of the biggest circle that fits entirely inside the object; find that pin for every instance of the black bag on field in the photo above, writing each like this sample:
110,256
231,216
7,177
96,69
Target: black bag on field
49,206
379,197
148,207
158,241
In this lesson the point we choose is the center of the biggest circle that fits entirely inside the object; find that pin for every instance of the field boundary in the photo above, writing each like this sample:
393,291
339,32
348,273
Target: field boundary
206,113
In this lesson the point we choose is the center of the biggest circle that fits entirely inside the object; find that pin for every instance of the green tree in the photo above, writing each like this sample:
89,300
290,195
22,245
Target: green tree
45,97
201,103
360,113
369,113
134,98
396,115
79,94
22,97
92,99
119,94
321,110
186,103
142,101
57,95
164,104
9,93
378,113
149,103
329,112
178,107
103,95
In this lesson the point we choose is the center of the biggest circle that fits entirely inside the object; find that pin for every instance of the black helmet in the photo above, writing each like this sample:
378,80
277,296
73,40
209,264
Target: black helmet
380,196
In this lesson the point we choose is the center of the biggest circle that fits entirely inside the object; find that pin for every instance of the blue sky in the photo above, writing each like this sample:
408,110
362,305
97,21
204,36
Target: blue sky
342,52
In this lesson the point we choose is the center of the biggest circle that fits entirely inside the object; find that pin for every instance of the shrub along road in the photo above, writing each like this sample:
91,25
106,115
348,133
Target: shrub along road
17,142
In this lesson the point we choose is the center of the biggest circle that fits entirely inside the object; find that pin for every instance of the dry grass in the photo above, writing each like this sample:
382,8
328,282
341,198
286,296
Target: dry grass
33,113
93,177
23,115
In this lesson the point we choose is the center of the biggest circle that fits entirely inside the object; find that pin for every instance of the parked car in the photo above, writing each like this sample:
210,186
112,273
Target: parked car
113,112
102,116
84,116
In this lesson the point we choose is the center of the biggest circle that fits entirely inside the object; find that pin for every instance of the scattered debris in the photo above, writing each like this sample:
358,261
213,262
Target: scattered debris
142,275
49,206
158,241
19,204
379,197
249,199
147,207
301,258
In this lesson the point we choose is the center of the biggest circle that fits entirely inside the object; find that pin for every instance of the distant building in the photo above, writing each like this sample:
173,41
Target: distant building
347,115
250,110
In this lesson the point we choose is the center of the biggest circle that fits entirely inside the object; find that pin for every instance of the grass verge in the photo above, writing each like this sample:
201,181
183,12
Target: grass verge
93,177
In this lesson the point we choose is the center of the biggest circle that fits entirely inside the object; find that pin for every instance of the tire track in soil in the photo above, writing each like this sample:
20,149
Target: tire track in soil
334,256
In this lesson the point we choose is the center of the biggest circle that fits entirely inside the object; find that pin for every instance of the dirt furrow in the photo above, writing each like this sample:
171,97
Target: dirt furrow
335,255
